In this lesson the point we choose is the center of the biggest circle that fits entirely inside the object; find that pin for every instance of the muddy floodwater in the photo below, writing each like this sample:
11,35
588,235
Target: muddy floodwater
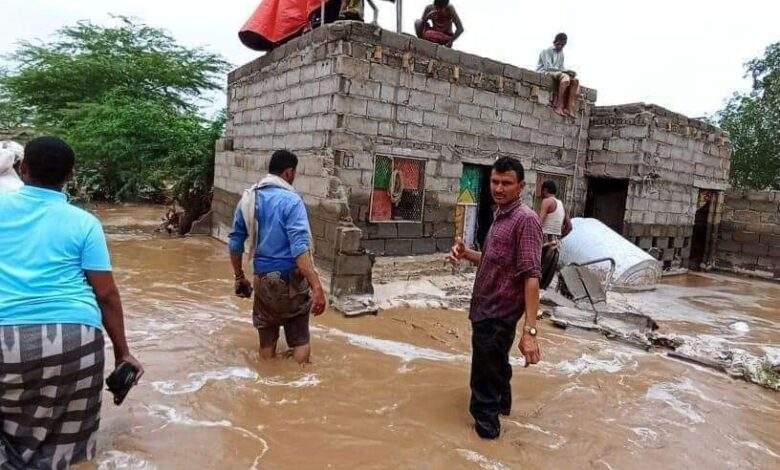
391,391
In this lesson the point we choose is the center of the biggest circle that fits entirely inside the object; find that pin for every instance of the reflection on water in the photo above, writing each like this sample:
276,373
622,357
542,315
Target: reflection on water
392,391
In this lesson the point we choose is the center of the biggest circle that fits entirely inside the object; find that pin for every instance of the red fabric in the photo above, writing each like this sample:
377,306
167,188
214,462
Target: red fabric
276,20
438,37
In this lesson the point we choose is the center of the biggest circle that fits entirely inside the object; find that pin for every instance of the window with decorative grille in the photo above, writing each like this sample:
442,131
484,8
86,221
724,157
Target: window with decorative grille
398,190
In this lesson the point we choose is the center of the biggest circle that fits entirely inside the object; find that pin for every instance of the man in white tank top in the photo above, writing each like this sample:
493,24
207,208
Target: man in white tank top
555,225
555,221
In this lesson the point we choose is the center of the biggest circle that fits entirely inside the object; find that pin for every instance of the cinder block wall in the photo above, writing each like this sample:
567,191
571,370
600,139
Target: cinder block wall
666,158
404,97
343,94
749,236
284,100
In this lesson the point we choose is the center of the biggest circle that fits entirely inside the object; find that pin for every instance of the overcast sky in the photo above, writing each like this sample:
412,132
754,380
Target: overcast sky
686,55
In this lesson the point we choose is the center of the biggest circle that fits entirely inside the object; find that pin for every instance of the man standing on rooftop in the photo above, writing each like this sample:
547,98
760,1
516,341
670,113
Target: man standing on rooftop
506,288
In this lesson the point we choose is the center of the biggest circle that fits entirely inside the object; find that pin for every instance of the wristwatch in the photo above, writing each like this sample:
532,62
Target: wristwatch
530,330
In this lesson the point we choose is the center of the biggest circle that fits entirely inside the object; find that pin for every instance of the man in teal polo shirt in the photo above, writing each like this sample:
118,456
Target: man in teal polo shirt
57,293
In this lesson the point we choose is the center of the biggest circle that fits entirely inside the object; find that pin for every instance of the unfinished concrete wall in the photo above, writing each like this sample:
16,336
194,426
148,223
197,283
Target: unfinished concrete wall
749,236
347,93
667,159
284,100
404,97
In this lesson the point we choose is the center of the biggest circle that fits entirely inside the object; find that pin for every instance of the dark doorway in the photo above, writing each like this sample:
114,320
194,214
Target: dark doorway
606,201
485,210
701,238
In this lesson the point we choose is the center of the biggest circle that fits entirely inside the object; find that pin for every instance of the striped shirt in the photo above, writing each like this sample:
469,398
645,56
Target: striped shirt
512,254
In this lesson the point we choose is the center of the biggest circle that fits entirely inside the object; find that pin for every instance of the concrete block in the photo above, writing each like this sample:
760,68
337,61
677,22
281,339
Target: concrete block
501,130
424,246
381,111
595,144
385,75
521,134
361,125
469,110
756,249
410,230
364,88
490,114
437,120
459,124
529,122
422,100
438,86
445,105
484,98
620,145
375,246
444,244
350,105
462,94
511,117
346,264
634,132
420,133
406,114
398,247
352,68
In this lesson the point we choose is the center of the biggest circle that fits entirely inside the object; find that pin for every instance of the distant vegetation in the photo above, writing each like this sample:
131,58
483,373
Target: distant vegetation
127,98
753,120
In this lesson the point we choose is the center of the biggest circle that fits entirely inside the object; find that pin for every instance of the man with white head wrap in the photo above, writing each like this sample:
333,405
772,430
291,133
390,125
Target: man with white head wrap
10,153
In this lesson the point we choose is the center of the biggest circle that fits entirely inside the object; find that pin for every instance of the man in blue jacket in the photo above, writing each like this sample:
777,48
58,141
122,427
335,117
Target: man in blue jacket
286,285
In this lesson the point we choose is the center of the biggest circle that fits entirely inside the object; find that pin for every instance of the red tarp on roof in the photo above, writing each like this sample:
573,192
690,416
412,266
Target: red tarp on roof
276,21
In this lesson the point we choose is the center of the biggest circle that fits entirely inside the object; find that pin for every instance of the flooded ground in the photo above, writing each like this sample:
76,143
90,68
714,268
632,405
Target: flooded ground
391,391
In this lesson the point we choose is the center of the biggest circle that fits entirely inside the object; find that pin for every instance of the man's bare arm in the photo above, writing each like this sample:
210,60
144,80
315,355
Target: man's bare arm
528,345
237,261
305,264
458,24
531,290
110,304
544,210
566,229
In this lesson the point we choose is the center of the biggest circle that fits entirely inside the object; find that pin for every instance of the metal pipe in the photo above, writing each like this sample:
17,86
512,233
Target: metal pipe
376,12
322,13
399,16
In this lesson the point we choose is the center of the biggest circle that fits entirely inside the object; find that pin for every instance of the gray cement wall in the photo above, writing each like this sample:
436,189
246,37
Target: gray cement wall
749,236
667,159
403,97
344,94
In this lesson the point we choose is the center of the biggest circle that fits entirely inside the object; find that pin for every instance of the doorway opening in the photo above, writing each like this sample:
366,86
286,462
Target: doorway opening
701,239
474,212
606,201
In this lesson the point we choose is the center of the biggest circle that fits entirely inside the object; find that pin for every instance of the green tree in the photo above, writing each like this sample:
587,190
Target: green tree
127,97
753,120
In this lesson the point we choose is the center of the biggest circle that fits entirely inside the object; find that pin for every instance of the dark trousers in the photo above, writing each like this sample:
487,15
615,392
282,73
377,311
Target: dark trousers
491,373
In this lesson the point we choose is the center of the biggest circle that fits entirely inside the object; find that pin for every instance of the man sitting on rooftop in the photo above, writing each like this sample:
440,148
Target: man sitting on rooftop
436,23
551,63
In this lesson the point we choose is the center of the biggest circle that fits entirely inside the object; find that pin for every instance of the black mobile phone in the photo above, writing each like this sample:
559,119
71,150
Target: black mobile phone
121,381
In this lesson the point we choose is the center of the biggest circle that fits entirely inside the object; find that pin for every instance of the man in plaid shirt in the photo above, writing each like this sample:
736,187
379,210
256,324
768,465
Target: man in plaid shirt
506,287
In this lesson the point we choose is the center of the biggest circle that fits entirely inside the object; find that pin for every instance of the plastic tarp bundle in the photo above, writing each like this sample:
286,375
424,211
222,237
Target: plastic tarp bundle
10,153
590,239
276,21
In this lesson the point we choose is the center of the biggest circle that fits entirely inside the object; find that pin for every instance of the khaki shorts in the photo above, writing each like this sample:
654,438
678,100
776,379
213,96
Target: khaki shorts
282,301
